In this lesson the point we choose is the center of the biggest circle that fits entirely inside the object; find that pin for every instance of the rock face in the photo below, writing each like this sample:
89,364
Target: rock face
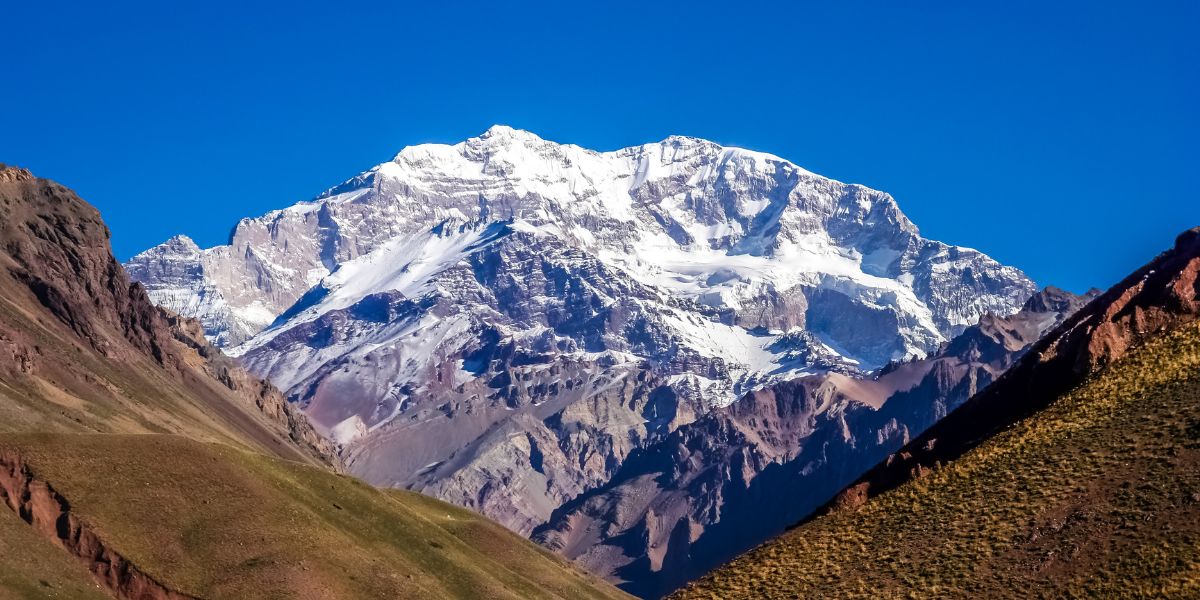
741,474
501,322
84,349
175,267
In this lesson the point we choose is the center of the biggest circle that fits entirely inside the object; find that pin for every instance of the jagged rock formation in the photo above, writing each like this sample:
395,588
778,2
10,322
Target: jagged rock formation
83,349
502,321
741,474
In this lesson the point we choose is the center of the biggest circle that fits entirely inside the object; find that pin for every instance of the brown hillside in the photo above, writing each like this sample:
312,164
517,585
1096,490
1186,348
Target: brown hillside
83,349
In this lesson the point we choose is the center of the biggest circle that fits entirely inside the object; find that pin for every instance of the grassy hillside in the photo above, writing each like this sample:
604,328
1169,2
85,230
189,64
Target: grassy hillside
1098,495
213,521
33,567
72,388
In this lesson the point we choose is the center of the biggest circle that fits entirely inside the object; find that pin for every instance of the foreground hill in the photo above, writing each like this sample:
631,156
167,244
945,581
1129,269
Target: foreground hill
1077,472
83,349
137,461
167,517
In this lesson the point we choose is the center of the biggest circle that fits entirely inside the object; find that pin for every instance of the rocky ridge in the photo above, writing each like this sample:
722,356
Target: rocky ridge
86,350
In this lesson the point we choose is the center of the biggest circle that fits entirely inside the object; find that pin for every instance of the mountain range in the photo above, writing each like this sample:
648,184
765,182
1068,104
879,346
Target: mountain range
501,322
743,473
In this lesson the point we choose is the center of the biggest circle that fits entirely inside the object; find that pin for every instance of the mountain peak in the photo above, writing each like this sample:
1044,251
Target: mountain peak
676,200
179,246
499,129
506,134
1187,240
182,241
1054,299
687,140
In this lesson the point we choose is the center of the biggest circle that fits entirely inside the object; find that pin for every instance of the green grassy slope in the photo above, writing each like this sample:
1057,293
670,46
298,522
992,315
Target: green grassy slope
216,522
74,388
1098,495
33,567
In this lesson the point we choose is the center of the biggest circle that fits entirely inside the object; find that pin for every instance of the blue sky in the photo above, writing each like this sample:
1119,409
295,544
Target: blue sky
1059,137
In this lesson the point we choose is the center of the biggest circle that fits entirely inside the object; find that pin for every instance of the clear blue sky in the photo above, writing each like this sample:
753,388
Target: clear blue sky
1059,137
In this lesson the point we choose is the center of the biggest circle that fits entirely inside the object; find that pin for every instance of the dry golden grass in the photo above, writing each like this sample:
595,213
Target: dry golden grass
1096,496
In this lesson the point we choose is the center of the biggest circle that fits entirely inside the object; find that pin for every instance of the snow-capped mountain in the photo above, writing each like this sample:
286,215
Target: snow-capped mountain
501,321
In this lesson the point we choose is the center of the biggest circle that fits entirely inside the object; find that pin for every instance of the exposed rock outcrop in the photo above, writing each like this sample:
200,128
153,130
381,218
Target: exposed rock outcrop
265,397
